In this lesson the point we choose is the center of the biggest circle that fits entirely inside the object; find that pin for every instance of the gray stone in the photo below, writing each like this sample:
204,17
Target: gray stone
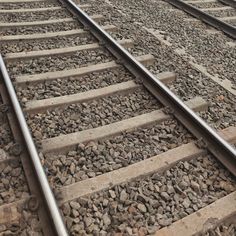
88,221
123,195
75,213
129,230
72,168
186,165
16,172
105,202
106,219
165,222
186,203
195,186
77,228
3,155
142,208
75,205
157,188
66,209
170,189
112,193
183,185
165,196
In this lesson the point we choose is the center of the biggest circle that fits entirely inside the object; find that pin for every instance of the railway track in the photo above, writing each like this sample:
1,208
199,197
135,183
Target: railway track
221,16
114,143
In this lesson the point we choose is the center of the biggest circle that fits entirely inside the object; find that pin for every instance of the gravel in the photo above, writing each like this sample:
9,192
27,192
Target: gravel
5,135
57,87
35,45
28,225
225,13
209,50
208,4
151,202
96,158
223,229
34,16
6,138
13,185
12,180
59,63
215,54
44,4
40,29
145,205
98,112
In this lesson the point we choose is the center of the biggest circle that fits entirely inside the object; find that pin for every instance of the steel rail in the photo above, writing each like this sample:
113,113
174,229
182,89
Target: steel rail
231,3
203,16
52,207
215,144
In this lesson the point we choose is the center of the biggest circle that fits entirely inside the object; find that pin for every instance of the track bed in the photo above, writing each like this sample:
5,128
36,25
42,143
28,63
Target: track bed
118,160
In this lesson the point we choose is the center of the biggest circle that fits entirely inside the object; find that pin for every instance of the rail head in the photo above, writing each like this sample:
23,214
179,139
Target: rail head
52,207
215,144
